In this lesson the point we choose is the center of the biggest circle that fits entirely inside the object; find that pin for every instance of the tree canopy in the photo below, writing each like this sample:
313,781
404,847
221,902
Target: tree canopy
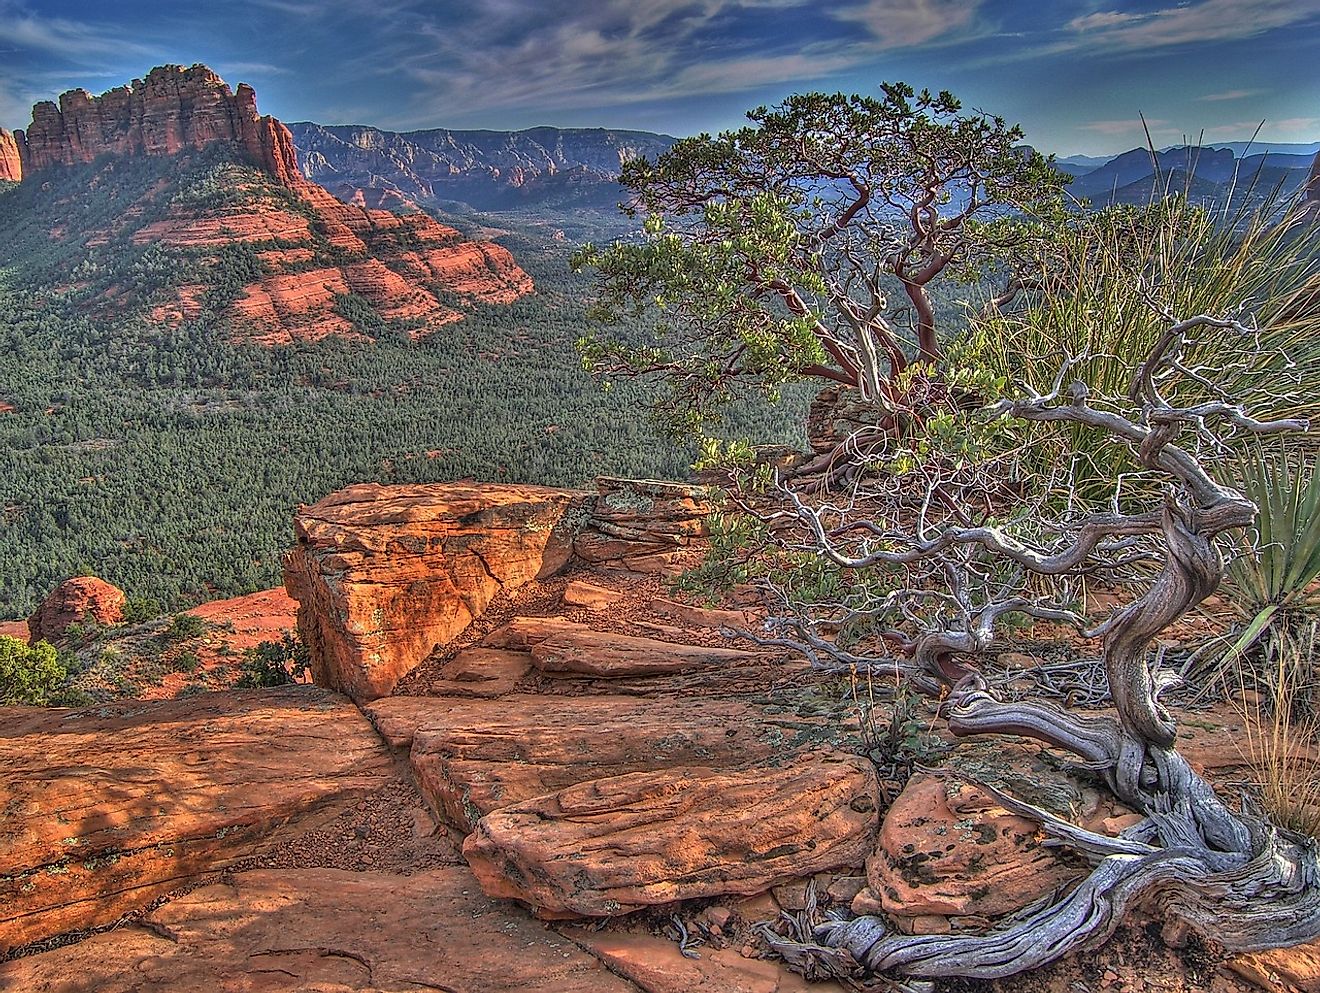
807,243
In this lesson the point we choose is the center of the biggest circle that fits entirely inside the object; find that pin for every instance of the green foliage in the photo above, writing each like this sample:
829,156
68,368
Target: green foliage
1280,564
187,662
1110,283
183,627
770,253
735,538
275,663
138,609
29,675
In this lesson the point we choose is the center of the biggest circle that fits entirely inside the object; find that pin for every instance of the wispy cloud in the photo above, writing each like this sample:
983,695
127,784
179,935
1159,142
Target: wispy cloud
20,29
894,23
560,54
1286,129
1190,22
1229,95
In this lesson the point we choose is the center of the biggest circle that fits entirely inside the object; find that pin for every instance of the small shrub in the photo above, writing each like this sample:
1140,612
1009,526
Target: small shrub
275,663
29,674
186,662
138,609
185,626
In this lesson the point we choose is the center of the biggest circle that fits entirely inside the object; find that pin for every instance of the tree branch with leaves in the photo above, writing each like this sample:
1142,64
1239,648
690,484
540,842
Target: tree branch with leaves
806,244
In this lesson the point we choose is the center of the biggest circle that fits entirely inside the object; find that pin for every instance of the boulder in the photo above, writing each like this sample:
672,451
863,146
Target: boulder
472,757
110,807
384,574
323,930
580,593
946,848
82,600
642,526
619,844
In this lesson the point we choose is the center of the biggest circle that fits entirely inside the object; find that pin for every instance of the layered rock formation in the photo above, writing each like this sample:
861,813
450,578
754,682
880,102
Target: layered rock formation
81,600
491,170
174,109
11,167
319,257
104,809
383,574
617,844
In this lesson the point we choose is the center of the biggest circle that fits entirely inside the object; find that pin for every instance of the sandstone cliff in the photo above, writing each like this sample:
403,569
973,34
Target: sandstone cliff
173,109
11,168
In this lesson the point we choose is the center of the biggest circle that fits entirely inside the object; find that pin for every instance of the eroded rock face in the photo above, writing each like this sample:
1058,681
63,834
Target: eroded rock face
384,574
11,168
644,526
615,845
947,848
472,757
109,807
172,110
323,929
82,600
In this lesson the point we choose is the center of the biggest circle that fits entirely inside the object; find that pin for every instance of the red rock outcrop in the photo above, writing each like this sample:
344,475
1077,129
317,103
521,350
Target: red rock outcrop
384,574
76,601
947,848
642,525
172,110
619,844
472,757
11,167
109,807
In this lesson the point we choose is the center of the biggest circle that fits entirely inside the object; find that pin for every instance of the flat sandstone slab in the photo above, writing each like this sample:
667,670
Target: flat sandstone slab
103,809
606,654
327,930
472,757
615,845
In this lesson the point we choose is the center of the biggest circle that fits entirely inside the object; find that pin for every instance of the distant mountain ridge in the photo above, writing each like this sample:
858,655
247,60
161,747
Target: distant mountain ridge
1210,174
489,170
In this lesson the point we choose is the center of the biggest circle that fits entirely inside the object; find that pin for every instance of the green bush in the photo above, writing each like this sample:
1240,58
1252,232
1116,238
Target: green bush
185,626
275,663
186,662
138,609
29,674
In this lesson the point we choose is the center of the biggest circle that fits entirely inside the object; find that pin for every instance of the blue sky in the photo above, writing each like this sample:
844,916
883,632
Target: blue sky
1076,73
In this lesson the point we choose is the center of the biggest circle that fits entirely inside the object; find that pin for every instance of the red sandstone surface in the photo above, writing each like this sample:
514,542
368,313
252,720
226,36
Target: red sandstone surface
11,168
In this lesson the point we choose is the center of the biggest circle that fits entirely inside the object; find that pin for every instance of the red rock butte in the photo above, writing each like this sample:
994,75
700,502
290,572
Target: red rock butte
402,265
172,110
11,167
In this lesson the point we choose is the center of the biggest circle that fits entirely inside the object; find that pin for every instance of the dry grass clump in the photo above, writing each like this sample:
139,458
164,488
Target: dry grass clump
1282,736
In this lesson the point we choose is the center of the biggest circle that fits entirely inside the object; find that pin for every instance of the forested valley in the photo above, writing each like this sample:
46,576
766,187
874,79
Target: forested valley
169,460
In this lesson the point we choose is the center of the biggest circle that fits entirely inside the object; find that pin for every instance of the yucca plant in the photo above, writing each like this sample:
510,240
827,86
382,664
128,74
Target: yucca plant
1272,582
